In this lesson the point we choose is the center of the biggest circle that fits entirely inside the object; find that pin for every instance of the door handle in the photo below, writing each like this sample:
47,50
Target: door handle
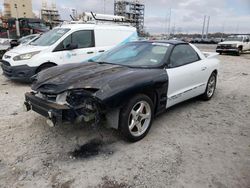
101,51
203,68
90,52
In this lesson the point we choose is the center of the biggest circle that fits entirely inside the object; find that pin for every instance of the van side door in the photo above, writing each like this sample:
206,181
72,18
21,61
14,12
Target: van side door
77,47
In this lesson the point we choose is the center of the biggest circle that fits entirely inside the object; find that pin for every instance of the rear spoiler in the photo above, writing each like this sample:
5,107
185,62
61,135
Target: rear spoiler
210,54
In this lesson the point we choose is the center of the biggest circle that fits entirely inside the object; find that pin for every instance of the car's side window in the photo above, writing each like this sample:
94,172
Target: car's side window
66,42
183,54
83,39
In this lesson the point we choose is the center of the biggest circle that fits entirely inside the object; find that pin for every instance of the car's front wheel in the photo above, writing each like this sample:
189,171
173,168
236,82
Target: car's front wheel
136,118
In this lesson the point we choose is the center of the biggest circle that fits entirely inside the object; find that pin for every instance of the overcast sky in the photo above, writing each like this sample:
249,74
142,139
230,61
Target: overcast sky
187,15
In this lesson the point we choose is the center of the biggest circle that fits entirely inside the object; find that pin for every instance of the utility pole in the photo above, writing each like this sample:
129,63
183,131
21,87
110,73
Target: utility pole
17,22
203,27
223,28
169,23
166,26
104,6
208,19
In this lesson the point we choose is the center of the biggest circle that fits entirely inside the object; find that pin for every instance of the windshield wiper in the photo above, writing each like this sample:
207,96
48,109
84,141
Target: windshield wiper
102,62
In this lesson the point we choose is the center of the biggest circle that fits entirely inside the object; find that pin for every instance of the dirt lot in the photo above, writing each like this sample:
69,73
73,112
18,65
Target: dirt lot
195,144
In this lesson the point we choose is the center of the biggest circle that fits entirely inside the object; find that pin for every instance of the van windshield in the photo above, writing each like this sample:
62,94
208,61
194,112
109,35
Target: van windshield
49,38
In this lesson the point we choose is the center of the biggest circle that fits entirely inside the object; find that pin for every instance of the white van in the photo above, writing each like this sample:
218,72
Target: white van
71,43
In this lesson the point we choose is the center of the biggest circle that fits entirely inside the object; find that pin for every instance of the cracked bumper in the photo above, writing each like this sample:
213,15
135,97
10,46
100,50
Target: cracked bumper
54,112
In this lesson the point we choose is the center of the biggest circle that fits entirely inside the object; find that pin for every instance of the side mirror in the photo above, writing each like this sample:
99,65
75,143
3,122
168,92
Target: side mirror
71,46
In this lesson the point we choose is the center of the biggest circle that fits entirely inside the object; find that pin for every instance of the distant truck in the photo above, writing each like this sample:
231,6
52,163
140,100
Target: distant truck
235,44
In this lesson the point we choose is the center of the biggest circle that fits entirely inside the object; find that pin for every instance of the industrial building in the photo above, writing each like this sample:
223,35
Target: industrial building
50,14
20,9
132,10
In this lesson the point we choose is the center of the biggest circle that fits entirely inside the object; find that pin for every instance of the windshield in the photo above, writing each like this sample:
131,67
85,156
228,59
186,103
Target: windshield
136,54
50,37
234,38
27,39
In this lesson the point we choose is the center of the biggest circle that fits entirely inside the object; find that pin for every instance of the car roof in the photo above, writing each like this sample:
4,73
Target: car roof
173,42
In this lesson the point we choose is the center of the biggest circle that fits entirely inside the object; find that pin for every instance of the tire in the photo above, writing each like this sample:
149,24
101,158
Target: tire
239,51
211,86
132,125
45,66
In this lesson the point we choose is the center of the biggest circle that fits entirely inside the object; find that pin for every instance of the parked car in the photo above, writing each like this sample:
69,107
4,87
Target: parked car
126,86
24,40
4,46
235,44
72,43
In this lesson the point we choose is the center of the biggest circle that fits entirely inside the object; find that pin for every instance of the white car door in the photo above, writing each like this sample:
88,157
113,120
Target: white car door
187,74
77,47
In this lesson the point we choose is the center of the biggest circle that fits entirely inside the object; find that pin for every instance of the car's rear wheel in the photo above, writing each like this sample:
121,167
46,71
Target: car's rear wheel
211,86
136,118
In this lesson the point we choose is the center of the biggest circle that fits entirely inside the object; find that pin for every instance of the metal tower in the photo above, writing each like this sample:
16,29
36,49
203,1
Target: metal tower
132,10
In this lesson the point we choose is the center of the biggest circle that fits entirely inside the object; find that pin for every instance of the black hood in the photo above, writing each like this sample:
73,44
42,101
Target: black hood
105,79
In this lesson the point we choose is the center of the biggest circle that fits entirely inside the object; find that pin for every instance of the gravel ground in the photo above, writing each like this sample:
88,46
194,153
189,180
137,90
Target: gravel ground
194,144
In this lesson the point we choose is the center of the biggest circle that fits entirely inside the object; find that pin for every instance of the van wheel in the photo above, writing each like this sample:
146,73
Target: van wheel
136,118
210,89
45,66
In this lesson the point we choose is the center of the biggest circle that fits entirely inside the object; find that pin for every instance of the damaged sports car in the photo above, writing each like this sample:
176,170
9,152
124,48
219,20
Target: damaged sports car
125,87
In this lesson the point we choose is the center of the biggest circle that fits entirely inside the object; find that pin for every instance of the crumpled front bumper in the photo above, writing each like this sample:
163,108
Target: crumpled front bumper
54,112
57,114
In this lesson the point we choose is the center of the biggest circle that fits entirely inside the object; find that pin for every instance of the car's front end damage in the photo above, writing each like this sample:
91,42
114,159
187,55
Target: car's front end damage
73,106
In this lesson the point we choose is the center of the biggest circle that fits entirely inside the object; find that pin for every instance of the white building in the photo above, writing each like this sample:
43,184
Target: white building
20,9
